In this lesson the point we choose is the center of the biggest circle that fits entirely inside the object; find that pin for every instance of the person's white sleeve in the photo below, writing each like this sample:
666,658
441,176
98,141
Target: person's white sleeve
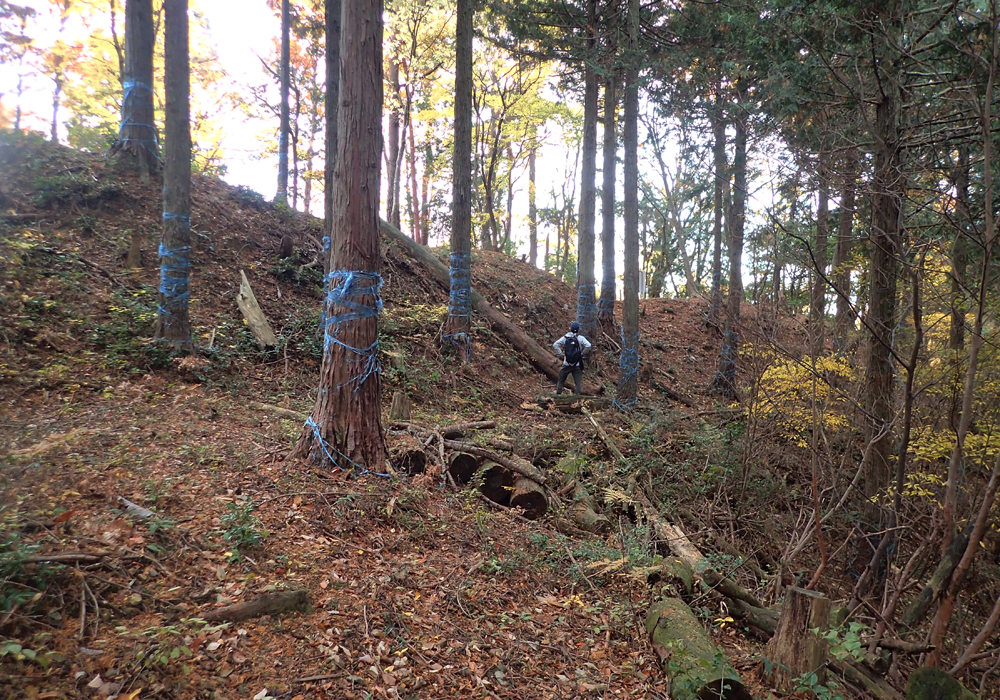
584,345
558,345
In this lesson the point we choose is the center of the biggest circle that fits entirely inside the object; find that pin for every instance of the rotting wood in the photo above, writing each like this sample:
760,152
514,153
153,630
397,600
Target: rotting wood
796,647
934,684
696,667
674,575
279,411
604,436
571,403
407,455
462,466
496,483
873,684
400,409
513,463
584,512
267,604
530,497
255,318
135,509
539,357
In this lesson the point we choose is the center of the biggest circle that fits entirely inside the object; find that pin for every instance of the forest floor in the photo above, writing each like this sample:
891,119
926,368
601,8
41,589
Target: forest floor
415,589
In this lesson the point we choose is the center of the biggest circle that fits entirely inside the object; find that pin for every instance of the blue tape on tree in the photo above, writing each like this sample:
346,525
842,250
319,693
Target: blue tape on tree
460,299
628,363
342,295
174,277
310,423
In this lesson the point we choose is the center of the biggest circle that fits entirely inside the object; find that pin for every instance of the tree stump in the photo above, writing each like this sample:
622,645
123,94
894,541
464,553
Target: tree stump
697,669
400,409
529,496
255,318
584,514
287,247
795,649
407,455
496,483
462,466
134,259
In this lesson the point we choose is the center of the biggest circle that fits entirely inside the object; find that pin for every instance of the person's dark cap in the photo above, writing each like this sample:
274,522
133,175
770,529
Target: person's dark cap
574,327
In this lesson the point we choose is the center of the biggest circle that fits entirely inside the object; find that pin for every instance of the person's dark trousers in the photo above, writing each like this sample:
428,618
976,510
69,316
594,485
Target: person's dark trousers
577,373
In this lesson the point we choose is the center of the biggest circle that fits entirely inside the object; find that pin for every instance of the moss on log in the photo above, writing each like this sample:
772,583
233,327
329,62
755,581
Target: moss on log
934,684
696,667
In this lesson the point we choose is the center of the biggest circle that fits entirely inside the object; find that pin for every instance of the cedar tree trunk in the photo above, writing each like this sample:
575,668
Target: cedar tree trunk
137,135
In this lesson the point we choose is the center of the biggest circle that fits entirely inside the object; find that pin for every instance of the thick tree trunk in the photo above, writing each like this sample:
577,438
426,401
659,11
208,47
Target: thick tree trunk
137,134
628,379
332,104
283,129
458,326
173,325
541,358
887,220
842,267
345,426
817,301
586,306
606,305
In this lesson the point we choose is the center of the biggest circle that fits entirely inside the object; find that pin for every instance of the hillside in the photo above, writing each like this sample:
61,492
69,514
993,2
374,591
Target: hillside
416,589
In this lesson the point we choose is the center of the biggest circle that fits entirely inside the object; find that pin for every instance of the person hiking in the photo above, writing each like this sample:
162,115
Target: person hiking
572,348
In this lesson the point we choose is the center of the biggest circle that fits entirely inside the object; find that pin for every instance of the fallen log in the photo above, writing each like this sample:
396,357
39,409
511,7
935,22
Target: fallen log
539,357
279,411
584,513
695,666
515,464
673,575
571,403
797,647
255,318
939,580
685,550
462,466
530,497
496,483
934,684
605,437
65,558
460,429
267,604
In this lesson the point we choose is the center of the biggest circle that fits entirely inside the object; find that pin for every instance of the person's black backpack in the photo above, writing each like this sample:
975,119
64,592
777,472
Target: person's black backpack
573,351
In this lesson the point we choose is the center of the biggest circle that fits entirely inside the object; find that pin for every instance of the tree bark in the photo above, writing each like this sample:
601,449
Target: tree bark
137,134
628,379
267,604
458,326
345,426
721,178
586,306
284,82
332,105
392,157
606,305
795,649
173,325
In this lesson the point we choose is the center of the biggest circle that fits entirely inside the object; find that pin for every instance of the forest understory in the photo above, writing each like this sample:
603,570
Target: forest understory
143,493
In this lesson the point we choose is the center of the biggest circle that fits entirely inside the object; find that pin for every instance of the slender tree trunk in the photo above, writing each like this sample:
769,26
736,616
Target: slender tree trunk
283,129
415,198
332,105
959,269
817,302
425,179
721,181
458,327
628,380
533,213
606,305
56,94
887,218
345,426
393,154
725,377
842,267
137,134
173,325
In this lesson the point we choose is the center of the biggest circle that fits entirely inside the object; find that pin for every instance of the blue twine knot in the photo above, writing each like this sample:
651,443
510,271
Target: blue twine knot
341,295
310,423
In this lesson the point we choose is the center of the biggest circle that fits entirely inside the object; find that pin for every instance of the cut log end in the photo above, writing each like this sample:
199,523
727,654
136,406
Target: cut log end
462,467
530,497
407,455
496,483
